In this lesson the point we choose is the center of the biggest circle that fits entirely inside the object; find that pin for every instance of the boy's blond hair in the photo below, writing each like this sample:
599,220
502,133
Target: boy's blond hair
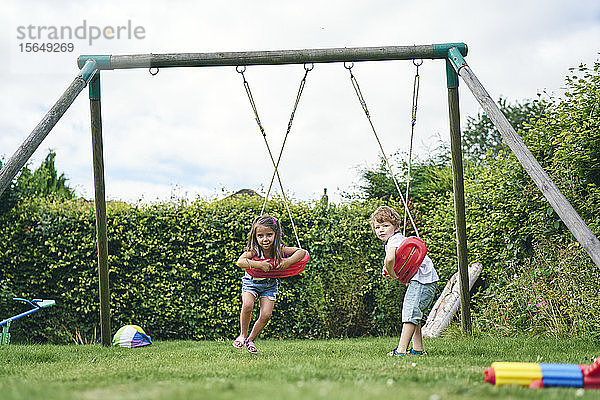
385,214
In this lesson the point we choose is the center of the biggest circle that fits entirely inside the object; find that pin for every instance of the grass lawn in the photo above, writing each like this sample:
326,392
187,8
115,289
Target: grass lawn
287,369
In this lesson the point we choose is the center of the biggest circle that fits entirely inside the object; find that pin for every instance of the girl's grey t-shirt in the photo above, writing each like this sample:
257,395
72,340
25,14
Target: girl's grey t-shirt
260,254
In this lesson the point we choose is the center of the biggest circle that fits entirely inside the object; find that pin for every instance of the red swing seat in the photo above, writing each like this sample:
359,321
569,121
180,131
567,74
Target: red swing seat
292,270
409,256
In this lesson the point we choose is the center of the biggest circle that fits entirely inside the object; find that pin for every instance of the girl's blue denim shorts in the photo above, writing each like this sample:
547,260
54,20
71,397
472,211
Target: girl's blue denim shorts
417,300
262,287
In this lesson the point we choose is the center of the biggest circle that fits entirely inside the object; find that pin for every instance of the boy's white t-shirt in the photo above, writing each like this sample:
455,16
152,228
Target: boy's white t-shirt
426,272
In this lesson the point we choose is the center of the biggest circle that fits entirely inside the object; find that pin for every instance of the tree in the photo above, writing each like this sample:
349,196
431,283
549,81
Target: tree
44,181
481,138
428,178
10,197
433,176
566,141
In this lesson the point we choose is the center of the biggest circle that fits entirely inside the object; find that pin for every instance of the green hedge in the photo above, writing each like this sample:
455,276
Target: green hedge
172,266
172,270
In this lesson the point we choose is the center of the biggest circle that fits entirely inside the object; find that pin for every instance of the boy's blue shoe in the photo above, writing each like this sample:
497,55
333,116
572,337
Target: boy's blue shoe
415,352
394,353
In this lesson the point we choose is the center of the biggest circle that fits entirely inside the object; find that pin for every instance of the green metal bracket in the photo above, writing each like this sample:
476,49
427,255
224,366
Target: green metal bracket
88,71
95,87
102,61
441,50
451,76
456,59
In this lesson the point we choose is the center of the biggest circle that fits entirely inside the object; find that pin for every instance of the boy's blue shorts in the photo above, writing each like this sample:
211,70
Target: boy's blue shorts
417,300
261,287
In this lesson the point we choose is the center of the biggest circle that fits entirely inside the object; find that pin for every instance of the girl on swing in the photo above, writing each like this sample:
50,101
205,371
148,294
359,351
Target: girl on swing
264,241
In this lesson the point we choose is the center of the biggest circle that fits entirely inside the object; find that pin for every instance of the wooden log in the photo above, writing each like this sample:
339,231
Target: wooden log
447,304
557,200
35,138
459,209
40,132
276,57
100,201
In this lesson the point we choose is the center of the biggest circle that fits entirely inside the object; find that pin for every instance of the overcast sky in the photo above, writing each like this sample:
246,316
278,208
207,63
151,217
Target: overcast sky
190,131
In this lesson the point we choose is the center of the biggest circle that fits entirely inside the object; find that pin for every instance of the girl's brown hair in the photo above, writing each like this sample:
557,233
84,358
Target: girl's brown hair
272,223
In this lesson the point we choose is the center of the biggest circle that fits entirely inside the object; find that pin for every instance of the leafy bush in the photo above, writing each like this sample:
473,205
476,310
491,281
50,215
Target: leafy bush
541,281
554,293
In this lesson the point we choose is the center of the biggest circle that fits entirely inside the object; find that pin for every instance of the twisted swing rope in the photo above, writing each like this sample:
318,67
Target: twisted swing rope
307,69
415,99
363,103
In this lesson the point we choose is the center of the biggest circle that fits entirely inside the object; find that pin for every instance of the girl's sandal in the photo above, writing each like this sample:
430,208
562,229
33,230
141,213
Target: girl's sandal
251,347
238,343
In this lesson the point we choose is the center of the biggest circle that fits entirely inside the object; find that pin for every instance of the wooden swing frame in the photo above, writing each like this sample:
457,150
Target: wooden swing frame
452,53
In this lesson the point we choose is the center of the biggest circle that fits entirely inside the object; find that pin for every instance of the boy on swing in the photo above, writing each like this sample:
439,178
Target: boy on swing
385,222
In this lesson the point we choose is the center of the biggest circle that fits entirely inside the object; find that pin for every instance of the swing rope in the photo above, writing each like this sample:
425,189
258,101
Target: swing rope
363,103
289,128
415,99
262,130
